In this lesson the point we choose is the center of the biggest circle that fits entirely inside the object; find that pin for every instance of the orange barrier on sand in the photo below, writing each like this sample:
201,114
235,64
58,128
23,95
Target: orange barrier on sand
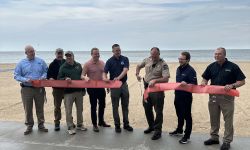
77,84
210,89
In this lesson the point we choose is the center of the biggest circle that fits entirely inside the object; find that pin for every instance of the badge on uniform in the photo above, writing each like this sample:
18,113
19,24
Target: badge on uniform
122,63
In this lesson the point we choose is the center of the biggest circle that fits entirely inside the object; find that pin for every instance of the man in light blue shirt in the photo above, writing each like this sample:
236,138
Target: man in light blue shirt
28,69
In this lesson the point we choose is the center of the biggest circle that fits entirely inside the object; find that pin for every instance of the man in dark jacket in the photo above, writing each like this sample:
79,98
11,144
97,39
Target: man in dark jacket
57,92
185,74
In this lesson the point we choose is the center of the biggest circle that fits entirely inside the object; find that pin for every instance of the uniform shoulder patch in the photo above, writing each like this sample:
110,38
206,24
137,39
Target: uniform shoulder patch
165,67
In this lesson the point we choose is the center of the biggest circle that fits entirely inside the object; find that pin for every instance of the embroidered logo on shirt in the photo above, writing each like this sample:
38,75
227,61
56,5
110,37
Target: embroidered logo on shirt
122,63
227,70
77,67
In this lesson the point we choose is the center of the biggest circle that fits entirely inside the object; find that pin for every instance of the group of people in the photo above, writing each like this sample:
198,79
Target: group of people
221,72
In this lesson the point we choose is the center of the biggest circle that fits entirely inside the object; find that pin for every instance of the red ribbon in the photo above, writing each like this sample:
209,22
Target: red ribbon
77,84
210,89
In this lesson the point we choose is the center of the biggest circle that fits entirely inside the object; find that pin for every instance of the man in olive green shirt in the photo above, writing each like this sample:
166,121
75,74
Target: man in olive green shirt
72,70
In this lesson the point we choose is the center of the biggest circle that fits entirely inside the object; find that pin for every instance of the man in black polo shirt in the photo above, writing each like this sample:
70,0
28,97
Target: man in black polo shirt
117,66
185,74
227,74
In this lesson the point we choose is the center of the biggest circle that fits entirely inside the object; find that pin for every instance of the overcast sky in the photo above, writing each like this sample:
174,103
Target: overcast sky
134,24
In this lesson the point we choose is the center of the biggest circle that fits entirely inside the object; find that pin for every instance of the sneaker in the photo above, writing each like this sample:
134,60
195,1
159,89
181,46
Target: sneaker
71,131
95,128
148,130
57,127
27,131
211,142
43,129
81,127
184,140
128,128
156,136
103,124
175,133
118,129
225,146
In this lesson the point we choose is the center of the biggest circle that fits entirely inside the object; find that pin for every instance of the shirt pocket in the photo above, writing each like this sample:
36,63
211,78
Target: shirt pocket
157,71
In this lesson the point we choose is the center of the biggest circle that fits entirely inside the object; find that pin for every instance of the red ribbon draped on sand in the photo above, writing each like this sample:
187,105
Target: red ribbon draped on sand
77,84
210,89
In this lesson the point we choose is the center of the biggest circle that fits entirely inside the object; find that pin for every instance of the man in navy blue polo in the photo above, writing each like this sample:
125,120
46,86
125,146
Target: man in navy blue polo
117,66
185,74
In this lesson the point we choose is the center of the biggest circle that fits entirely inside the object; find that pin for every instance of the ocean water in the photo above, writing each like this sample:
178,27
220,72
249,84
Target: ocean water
134,56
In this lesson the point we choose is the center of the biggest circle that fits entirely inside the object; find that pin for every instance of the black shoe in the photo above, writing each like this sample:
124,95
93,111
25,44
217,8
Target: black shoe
95,128
43,129
184,140
57,127
148,130
103,124
128,128
118,129
225,146
27,131
156,136
211,142
175,133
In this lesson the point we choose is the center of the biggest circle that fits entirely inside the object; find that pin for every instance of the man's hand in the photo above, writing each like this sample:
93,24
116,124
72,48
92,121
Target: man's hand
116,78
68,79
203,83
85,78
106,80
183,83
228,87
152,83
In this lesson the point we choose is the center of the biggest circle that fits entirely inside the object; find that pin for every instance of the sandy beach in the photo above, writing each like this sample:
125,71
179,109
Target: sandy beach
11,108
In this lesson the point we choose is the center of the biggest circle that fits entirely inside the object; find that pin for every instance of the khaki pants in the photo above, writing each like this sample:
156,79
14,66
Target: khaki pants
69,99
216,105
58,97
28,95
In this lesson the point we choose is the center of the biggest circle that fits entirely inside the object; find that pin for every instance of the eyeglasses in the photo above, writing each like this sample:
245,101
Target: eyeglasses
181,59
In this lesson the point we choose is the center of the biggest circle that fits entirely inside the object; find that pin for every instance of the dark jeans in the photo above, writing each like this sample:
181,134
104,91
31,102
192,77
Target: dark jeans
94,96
123,94
183,106
58,95
155,100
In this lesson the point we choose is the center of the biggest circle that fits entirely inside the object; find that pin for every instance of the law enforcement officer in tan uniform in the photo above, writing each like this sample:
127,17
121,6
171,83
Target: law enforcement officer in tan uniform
157,71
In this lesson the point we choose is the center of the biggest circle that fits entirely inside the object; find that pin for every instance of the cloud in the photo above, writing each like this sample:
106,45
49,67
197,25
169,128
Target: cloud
138,23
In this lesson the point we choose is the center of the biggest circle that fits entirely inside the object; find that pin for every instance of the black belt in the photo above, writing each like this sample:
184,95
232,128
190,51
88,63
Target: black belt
22,85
